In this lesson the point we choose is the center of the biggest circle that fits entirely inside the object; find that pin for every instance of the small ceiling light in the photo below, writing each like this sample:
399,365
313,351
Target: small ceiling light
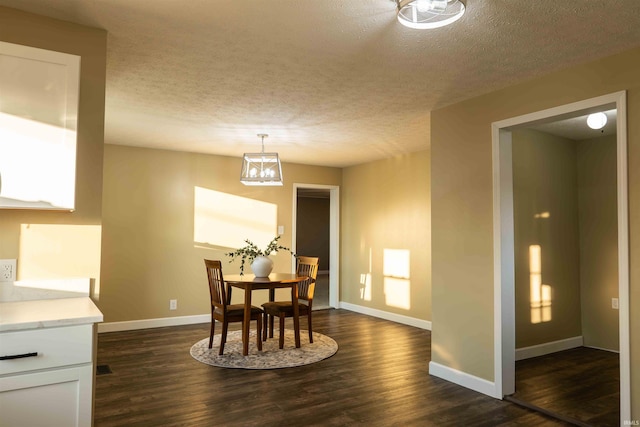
597,120
425,14
261,168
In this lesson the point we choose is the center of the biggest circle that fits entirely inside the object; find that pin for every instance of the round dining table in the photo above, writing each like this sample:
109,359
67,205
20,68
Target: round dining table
250,282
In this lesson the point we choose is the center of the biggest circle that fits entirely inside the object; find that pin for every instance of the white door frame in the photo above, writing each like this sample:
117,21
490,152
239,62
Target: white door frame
334,236
503,241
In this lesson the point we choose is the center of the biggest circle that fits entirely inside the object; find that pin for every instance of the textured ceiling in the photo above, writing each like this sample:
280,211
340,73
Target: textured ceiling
333,82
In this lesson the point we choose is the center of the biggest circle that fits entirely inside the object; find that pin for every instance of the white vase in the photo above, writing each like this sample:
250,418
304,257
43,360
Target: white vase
262,266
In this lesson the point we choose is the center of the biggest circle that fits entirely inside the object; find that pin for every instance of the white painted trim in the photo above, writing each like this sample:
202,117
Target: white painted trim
503,279
334,235
398,318
462,378
504,263
623,257
603,349
334,261
133,325
548,348
560,112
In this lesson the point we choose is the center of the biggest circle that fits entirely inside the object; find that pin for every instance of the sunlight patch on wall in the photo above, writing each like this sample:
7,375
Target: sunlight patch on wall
365,287
226,220
365,280
540,294
59,251
396,271
37,164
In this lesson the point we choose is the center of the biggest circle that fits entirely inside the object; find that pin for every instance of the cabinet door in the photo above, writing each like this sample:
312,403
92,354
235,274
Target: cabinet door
58,397
38,127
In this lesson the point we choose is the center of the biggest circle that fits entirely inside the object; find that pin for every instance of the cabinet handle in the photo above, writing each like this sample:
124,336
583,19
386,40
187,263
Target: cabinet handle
18,356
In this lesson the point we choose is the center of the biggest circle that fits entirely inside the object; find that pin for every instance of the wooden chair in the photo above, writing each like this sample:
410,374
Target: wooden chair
307,266
221,308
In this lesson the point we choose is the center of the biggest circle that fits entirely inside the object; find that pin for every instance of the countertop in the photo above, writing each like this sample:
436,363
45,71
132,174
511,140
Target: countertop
47,313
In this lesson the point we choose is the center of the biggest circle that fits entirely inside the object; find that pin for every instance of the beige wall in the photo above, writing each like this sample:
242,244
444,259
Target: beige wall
23,231
462,205
386,206
575,184
545,199
598,241
149,252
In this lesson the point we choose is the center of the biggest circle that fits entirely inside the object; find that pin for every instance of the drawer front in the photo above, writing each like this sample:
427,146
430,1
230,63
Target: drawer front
45,348
54,398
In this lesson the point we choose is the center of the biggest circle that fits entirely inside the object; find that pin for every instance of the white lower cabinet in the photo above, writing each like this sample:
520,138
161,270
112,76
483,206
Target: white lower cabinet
46,377
59,397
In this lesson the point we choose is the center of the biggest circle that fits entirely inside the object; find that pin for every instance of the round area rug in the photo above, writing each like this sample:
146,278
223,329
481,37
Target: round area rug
271,357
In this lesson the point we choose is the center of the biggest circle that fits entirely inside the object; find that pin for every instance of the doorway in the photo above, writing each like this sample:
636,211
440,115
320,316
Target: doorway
504,246
316,233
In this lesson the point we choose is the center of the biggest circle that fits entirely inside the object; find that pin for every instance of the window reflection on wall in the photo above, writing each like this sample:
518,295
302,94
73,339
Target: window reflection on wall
59,251
540,294
365,280
397,286
226,220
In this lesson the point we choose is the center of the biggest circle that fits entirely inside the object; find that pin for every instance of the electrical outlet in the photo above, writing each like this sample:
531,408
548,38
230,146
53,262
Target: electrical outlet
7,270
173,304
614,303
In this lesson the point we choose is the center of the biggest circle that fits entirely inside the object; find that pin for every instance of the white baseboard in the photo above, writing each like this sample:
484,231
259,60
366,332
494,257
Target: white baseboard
602,348
153,323
463,379
132,325
548,348
398,318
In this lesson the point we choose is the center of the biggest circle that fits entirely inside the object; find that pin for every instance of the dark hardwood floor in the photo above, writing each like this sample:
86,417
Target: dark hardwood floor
581,383
378,377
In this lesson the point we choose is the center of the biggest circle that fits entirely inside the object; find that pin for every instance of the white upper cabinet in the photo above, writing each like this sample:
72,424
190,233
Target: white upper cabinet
38,127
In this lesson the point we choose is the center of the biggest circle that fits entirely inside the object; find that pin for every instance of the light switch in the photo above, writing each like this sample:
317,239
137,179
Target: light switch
614,303
280,230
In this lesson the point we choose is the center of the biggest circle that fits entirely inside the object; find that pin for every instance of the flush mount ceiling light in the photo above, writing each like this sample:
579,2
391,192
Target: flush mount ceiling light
261,168
596,120
425,14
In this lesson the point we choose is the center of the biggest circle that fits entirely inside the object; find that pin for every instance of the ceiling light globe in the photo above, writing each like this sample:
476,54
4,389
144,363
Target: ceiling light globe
427,5
428,14
596,120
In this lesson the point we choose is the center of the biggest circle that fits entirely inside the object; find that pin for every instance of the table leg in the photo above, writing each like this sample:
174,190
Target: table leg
272,298
296,314
247,321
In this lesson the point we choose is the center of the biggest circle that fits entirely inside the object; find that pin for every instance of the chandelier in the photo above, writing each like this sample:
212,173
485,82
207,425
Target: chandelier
425,14
261,168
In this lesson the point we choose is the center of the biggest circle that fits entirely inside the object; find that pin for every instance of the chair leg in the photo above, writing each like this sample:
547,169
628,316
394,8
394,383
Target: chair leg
223,338
270,326
265,323
259,332
281,341
213,329
310,328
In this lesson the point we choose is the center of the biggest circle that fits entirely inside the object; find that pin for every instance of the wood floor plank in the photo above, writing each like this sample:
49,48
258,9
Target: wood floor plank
378,377
582,383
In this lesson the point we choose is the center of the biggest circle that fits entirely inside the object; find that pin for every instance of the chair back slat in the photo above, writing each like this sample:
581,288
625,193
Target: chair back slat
307,266
217,287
